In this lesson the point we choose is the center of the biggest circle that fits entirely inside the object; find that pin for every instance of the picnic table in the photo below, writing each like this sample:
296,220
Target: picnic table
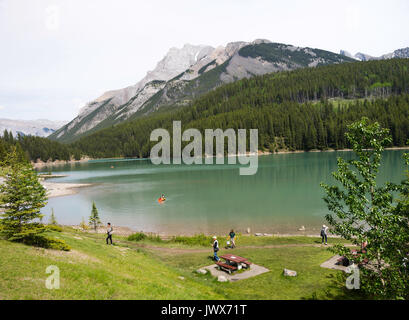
233,263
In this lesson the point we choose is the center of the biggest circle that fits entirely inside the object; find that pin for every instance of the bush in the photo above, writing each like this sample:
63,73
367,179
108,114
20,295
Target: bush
47,243
139,236
52,227
154,238
198,240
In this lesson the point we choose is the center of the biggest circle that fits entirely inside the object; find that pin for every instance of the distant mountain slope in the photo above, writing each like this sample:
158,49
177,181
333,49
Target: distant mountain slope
186,73
400,53
40,128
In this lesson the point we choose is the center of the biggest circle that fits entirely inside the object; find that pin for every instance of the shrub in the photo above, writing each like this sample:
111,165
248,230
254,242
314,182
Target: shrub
200,240
138,236
83,225
154,238
47,243
52,227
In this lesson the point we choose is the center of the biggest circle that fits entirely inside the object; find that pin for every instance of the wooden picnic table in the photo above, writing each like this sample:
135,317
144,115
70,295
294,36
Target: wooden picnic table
236,259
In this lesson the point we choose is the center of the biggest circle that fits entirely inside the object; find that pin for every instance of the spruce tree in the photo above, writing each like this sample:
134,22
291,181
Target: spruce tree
23,196
94,220
53,220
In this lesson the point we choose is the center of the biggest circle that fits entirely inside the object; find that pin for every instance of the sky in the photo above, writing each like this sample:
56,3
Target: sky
57,55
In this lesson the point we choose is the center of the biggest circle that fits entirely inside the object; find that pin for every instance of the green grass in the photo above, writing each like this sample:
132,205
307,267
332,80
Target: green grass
150,269
200,240
92,270
312,282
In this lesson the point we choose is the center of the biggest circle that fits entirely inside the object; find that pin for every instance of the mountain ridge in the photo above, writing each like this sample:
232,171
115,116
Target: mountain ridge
399,53
39,127
186,73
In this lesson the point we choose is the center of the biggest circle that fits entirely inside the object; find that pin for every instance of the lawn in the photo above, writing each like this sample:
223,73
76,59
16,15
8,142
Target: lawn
92,270
164,270
312,282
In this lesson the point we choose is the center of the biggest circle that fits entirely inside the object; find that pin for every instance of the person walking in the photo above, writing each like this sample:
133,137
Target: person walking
324,234
110,231
232,236
215,248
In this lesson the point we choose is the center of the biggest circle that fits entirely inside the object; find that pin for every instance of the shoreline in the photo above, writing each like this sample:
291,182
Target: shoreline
127,231
58,189
41,164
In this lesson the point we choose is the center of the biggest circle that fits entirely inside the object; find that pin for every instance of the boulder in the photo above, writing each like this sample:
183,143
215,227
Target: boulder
290,273
201,271
221,279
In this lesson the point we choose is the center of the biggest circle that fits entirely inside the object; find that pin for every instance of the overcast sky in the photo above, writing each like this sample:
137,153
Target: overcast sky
56,55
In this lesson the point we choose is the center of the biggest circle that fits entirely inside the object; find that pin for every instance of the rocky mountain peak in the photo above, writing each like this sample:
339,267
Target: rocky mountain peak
399,53
176,61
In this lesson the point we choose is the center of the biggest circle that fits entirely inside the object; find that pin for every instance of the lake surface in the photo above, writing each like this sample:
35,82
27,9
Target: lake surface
284,194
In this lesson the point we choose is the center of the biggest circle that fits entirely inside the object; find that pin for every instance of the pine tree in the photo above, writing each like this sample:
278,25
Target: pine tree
53,220
22,198
94,220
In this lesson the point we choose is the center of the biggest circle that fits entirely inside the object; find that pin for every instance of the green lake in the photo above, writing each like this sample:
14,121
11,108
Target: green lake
284,194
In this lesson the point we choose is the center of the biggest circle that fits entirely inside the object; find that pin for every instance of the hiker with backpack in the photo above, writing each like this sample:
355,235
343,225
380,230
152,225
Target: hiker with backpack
324,234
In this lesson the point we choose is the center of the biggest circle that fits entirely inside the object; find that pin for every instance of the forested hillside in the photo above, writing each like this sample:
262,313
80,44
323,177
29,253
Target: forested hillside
299,110
33,148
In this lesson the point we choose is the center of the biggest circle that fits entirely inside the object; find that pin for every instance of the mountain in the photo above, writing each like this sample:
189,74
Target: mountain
186,73
304,109
40,128
400,53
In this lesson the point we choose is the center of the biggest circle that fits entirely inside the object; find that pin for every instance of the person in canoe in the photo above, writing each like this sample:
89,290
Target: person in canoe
162,198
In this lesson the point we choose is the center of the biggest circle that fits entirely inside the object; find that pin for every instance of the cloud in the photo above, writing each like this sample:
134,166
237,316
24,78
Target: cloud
352,18
52,18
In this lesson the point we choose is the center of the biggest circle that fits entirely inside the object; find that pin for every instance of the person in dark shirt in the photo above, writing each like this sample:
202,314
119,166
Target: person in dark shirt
232,236
110,231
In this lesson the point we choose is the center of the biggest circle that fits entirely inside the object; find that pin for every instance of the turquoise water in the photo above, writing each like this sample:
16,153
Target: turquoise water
283,195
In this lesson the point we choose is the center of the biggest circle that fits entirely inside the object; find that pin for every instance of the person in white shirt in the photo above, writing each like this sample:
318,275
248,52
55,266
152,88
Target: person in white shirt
324,234
215,248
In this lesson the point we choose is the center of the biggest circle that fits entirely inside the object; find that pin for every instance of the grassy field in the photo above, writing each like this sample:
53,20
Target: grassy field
165,270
